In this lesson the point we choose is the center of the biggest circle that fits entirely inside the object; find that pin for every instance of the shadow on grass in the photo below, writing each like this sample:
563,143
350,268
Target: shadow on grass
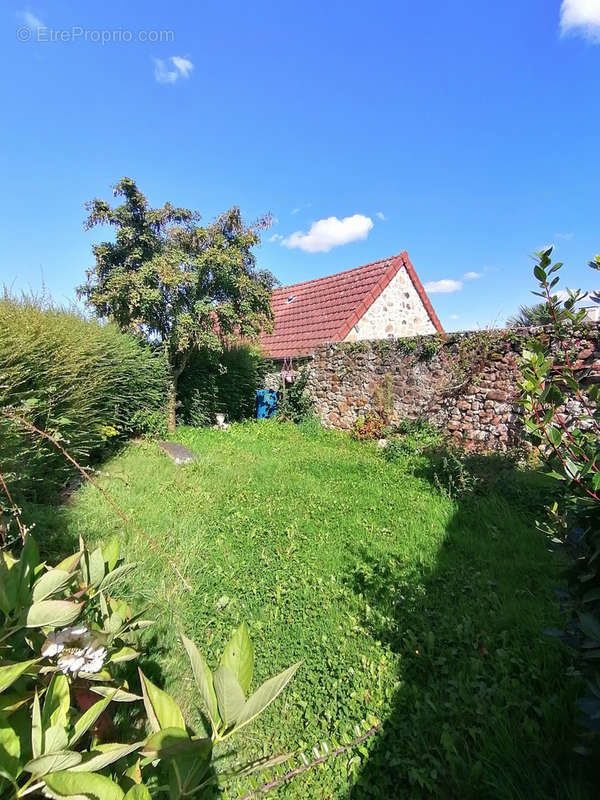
482,707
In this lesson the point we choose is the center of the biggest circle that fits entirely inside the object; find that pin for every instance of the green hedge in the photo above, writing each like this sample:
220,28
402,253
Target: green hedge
224,383
90,383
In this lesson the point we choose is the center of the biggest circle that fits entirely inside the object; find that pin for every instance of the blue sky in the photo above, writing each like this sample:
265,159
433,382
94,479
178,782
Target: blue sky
465,132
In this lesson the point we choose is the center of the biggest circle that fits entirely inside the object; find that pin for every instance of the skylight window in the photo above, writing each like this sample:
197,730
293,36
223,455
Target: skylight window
290,298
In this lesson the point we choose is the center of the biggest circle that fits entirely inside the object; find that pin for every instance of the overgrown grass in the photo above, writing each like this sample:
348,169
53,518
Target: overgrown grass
423,611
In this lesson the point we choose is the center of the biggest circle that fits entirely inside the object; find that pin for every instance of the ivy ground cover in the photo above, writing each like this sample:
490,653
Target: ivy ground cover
405,605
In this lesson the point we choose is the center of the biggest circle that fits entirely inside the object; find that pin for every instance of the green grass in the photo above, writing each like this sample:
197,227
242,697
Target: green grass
424,612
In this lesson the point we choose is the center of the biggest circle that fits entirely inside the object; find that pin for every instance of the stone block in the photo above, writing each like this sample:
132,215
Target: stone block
177,452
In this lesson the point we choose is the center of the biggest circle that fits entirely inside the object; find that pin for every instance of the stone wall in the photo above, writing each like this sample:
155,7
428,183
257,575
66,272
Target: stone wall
397,311
465,384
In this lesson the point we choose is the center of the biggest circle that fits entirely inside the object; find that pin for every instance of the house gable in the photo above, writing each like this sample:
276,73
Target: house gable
398,311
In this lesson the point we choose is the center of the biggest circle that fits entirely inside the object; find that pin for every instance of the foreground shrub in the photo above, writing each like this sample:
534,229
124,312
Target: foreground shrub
63,635
563,419
221,383
88,383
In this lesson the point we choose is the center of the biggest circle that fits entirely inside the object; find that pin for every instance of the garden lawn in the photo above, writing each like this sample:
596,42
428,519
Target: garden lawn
403,604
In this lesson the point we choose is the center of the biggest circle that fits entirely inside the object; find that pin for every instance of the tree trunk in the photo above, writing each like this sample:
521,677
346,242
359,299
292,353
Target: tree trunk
175,370
172,401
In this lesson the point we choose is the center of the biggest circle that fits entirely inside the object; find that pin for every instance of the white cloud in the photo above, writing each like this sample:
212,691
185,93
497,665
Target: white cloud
277,237
169,70
331,232
454,316
444,286
581,16
472,276
32,22
183,65
295,210
380,215
565,236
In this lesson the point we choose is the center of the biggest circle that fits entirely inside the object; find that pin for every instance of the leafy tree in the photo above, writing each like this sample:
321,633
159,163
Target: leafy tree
530,316
181,285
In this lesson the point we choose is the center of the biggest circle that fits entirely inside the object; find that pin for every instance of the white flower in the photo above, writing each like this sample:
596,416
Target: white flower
56,641
71,661
77,649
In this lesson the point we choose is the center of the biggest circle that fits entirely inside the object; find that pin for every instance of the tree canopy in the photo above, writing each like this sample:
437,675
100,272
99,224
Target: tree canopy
182,285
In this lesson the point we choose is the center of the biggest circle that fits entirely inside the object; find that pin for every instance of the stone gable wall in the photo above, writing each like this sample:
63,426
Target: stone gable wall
397,311
475,405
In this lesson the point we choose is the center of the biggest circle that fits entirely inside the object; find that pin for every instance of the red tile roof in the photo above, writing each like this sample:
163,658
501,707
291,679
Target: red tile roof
325,309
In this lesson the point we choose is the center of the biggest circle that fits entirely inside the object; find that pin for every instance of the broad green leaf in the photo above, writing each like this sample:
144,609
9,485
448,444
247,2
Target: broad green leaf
164,742
11,701
103,755
204,680
265,695
103,607
87,719
9,581
110,552
37,735
230,697
113,623
162,710
118,695
238,657
554,435
53,613
10,673
124,654
132,775
69,563
10,751
50,583
117,574
96,566
55,739
56,702
138,792
53,762
173,742
82,786
27,563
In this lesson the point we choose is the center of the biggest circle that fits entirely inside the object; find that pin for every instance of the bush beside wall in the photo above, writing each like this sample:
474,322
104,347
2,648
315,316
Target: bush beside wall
224,383
89,383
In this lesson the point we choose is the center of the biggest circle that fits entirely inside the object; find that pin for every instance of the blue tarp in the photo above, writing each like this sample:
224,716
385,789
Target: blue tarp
266,403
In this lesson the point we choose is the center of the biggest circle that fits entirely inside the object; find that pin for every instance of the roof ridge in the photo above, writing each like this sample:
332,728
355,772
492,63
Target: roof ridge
335,274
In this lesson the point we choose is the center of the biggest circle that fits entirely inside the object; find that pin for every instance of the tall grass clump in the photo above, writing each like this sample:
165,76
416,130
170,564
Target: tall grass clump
87,385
